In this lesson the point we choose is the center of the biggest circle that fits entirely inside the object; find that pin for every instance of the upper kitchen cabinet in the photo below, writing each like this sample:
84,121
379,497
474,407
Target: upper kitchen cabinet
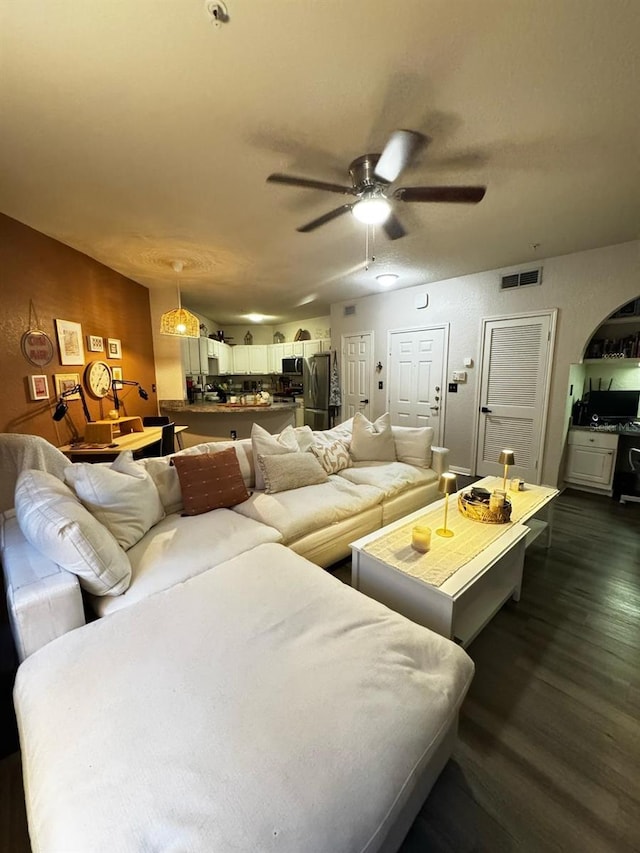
195,356
275,356
249,358
222,352
312,347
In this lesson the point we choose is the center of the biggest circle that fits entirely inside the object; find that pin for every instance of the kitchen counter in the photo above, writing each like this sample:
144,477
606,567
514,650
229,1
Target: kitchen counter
631,428
222,421
226,408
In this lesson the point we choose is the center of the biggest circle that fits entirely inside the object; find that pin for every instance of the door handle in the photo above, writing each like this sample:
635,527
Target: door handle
435,408
364,402
485,410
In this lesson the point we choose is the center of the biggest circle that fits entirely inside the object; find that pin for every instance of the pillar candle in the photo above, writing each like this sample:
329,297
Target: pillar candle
421,538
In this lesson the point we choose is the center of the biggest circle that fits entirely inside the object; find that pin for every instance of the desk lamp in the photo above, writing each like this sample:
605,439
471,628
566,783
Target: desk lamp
448,484
506,458
62,407
116,383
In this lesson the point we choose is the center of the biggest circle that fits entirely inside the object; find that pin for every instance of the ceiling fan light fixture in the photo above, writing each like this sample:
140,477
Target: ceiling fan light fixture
387,279
372,211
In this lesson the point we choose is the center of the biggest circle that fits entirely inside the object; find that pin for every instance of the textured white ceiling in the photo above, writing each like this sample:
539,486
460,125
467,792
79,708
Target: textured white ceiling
138,132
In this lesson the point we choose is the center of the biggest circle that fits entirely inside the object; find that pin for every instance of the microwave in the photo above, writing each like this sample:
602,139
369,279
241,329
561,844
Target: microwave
292,365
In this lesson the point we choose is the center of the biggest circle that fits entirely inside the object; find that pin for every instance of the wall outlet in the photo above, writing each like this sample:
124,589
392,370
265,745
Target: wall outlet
453,387
380,385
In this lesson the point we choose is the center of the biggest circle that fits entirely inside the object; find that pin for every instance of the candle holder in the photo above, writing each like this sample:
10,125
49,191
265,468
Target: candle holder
421,538
447,484
506,458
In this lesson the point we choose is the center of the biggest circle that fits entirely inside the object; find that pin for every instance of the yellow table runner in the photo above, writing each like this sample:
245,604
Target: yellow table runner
446,556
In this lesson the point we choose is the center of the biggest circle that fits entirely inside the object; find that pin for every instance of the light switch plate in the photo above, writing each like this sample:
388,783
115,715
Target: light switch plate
459,375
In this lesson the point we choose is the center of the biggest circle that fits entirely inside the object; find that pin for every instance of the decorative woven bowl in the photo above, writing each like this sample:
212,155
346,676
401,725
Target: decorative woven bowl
479,511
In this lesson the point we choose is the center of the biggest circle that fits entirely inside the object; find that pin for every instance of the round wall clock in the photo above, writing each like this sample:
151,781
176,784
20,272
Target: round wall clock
97,378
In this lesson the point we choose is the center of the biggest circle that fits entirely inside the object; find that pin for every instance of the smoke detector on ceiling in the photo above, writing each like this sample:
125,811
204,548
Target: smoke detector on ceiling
216,12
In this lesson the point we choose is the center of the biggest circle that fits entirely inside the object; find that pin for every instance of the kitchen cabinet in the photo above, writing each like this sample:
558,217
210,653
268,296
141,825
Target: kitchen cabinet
240,358
224,358
250,359
276,354
591,459
258,359
195,358
261,359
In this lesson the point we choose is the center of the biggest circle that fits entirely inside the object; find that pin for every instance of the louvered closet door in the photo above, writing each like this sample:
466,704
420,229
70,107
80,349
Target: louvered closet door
516,354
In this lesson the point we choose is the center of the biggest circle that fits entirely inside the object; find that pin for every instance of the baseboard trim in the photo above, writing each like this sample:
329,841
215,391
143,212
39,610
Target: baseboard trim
457,470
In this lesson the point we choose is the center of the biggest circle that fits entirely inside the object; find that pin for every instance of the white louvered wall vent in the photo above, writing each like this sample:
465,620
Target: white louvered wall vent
349,310
521,279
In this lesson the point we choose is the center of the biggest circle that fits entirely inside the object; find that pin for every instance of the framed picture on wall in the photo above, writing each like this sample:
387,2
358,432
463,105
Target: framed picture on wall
95,343
114,350
39,387
70,342
65,381
116,375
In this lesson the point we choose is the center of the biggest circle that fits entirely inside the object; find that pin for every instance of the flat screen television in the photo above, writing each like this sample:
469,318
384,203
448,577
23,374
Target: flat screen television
613,404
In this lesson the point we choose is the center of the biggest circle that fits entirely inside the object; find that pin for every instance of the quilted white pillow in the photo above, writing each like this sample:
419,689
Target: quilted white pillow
372,442
271,445
413,445
54,521
333,457
121,496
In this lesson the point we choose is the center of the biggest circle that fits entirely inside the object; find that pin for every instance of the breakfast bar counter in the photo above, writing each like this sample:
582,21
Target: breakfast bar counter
218,421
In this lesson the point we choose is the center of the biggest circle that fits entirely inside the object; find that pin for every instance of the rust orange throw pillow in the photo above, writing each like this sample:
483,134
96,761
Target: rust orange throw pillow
210,481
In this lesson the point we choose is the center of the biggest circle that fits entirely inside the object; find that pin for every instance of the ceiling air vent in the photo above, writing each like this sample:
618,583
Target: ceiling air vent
521,279
349,310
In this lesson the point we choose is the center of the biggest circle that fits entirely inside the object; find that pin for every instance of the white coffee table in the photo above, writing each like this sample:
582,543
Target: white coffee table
462,604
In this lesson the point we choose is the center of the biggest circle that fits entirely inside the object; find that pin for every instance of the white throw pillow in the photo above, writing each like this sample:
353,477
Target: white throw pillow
304,437
121,496
413,445
54,521
270,445
372,442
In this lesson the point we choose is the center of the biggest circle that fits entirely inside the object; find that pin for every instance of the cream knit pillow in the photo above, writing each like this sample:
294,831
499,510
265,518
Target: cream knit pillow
372,442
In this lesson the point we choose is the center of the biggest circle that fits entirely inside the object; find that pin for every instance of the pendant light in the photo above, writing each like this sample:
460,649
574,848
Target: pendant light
179,321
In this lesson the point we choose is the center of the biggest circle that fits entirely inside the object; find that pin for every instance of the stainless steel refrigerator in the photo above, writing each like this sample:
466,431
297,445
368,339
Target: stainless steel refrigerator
316,378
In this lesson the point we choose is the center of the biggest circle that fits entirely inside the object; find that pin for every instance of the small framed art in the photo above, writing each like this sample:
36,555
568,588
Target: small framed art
66,381
39,387
114,349
116,376
95,343
70,342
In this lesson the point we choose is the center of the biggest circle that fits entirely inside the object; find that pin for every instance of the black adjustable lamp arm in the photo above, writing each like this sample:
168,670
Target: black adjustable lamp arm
117,382
61,408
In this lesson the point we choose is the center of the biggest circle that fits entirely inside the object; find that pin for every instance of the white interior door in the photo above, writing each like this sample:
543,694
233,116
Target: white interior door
416,378
356,375
514,390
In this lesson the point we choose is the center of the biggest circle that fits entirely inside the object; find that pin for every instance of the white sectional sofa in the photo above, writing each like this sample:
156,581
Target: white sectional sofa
316,521
233,695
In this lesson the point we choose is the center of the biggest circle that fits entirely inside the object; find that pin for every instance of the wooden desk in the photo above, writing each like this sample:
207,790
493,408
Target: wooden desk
134,441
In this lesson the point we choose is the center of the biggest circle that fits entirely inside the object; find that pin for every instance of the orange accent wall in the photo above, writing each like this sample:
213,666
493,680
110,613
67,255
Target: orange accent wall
42,280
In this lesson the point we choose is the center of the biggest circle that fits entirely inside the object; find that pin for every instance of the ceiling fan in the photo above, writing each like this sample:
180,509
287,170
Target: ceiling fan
371,179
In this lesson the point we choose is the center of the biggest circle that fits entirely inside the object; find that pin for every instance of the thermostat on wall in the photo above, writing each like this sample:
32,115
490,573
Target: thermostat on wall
421,300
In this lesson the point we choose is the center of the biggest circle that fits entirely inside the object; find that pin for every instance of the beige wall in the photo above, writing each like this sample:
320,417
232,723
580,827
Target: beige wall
44,280
585,288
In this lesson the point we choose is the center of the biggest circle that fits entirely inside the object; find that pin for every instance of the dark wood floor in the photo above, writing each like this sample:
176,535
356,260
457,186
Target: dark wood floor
548,757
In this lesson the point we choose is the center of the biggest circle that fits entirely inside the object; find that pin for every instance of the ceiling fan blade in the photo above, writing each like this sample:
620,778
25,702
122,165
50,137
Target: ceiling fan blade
393,227
402,146
463,195
310,184
327,217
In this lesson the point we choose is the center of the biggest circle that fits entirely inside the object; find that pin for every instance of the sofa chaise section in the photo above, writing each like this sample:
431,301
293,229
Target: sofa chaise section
261,705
